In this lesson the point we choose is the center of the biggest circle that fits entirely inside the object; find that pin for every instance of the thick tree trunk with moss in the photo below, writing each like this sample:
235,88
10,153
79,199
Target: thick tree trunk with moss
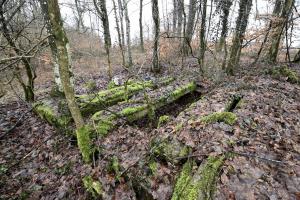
224,6
127,21
241,25
202,47
141,26
281,14
64,61
155,56
100,6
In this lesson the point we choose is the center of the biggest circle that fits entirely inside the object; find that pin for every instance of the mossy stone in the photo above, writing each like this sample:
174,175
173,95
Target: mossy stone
200,185
94,187
226,117
163,120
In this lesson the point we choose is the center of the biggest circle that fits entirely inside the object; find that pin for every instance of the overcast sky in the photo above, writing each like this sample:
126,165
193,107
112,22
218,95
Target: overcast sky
260,6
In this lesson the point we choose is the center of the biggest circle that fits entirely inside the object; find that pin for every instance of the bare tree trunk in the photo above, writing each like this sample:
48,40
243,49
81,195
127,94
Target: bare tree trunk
175,15
64,61
141,26
102,12
79,10
155,16
202,36
225,9
119,33
282,12
127,21
190,27
180,16
121,15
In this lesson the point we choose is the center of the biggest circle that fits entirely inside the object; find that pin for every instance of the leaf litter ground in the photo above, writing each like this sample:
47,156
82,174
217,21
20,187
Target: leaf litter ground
39,163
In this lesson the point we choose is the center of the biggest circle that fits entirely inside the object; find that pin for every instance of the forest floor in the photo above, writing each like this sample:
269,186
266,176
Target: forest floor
39,162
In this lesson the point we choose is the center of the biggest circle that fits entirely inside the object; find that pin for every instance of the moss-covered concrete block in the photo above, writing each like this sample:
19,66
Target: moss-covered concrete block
183,180
92,186
203,183
50,114
169,150
226,117
88,103
284,71
106,121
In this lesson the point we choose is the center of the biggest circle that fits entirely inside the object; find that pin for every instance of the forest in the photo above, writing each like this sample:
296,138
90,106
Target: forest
150,99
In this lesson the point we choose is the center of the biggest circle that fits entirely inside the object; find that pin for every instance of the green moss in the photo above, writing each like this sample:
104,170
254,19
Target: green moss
132,110
84,142
202,184
179,126
169,150
191,86
163,120
94,187
111,84
110,97
226,117
284,71
104,127
183,180
114,167
153,166
48,114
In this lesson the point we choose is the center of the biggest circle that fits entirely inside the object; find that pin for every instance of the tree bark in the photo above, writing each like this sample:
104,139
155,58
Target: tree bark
225,9
141,26
79,10
190,27
241,25
281,14
51,41
202,36
64,58
127,21
175,15
64,61
102,12
121,15
119,33
180,16
155,16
